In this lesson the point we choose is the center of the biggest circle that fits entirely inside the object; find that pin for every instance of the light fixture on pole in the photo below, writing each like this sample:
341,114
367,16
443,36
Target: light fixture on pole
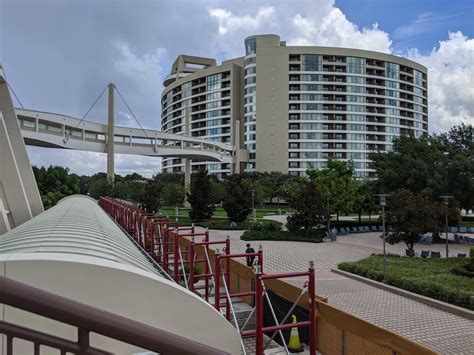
254,215
383,203
329,214
446,204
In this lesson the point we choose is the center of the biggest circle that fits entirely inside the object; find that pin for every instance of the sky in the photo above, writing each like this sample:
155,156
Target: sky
59,55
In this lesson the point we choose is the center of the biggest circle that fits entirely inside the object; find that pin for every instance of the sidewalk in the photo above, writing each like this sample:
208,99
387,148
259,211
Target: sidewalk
440,330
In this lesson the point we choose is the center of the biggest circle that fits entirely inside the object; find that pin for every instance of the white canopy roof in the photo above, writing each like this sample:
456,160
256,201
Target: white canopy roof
75,250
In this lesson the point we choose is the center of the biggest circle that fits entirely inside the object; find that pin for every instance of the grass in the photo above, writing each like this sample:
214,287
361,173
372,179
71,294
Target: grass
428,277
314,236
219,219
220,213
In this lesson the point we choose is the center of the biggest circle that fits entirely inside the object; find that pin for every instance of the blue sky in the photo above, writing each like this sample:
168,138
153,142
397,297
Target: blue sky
413,23
60,54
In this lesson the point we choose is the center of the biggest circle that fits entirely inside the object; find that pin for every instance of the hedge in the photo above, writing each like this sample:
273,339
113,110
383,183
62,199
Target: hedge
313,236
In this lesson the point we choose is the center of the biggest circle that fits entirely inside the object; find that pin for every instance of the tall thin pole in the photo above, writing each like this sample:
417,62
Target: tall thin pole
384,252
446,204
253,205
383,202
110,135
446,221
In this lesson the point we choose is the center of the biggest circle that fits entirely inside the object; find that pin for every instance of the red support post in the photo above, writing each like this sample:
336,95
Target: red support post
312,310
227,276
175,256
207,270
217,288
191,265
259,314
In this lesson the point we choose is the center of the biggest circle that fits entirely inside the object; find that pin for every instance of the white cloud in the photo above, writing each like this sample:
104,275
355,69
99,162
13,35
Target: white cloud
334,29
140,68
228,21
450,80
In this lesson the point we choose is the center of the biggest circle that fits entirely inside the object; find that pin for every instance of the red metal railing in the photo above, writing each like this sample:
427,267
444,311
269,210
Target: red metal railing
311,322
218,271
160,238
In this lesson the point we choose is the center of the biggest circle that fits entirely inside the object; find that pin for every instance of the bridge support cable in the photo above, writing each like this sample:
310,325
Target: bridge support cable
131,112
92,106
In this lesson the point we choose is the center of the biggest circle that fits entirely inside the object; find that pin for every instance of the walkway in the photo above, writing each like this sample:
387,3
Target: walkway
440,330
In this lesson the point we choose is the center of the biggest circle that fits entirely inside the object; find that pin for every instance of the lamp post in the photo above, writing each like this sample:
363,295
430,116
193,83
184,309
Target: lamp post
329,215
383,203
253,205
446,204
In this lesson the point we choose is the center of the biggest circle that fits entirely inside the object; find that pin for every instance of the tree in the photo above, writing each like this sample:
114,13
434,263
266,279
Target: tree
173,193
337,182
411,215
151,198
200,196
309,204
432,166
364,199
238,198
54,183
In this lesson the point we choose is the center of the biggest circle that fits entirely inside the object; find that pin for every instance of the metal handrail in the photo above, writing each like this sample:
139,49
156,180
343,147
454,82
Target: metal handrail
89,319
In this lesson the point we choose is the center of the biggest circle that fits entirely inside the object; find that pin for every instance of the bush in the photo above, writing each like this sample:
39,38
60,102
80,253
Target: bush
313,236
268,226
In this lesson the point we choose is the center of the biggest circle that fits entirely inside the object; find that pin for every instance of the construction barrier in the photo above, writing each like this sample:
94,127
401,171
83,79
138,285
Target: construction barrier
331,330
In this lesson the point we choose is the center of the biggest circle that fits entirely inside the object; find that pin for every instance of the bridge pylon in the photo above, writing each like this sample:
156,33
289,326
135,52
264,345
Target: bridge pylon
111,135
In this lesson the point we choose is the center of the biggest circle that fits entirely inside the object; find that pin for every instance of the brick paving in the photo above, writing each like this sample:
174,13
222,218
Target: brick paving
440,330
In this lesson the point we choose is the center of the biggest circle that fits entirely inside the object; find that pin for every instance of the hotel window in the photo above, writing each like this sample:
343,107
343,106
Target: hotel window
213,82
250,46
312,62
393,70
355,65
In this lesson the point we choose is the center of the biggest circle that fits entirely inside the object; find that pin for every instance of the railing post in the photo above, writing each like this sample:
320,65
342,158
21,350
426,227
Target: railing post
260,258
259,313
83,340
217,281
312,310
175,255
191,265
207,268
165,248
227,276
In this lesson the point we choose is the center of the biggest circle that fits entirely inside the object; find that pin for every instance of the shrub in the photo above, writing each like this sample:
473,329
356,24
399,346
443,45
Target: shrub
313,236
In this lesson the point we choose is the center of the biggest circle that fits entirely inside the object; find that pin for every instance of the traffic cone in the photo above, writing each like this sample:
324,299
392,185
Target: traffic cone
294,345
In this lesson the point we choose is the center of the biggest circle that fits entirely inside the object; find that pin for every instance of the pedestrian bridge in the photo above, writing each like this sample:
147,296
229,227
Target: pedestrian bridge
52,130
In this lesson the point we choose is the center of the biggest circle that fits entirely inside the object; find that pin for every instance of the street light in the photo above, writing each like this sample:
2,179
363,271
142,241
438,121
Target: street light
383,203
446,203
254,215
329,215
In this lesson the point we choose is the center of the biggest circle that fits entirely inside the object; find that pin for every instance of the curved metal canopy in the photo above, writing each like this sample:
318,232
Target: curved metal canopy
76,250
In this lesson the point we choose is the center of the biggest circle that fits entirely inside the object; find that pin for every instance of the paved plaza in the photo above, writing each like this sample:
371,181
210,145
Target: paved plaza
440,330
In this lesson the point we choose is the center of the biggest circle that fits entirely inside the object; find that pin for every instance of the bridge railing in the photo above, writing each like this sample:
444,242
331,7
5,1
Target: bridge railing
86,319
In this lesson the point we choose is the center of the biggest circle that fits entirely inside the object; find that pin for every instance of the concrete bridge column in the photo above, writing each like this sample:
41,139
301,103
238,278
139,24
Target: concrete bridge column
110,135
187,162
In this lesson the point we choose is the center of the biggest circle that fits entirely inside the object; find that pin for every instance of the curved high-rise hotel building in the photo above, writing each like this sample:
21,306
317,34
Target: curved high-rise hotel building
293,107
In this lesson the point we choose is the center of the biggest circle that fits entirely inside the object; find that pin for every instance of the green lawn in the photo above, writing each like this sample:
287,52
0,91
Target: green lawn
429,277
219,219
